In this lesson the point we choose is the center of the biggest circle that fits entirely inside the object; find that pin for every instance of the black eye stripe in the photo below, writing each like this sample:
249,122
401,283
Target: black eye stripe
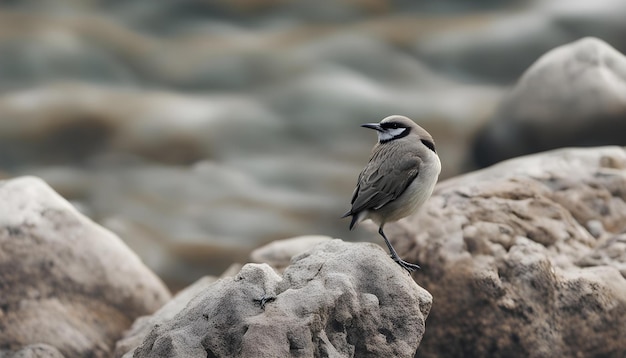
391,125
429,144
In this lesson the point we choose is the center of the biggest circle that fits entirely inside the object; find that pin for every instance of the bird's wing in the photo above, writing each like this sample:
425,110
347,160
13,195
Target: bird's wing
383,180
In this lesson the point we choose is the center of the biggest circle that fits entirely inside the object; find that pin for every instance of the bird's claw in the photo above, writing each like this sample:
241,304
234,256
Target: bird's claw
406,265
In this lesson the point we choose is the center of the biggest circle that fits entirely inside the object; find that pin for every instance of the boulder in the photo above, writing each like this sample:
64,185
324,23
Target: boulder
525,258
574,95
66,282
336,300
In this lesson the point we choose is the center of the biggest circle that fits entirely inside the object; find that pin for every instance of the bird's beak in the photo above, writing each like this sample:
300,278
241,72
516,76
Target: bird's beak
374,126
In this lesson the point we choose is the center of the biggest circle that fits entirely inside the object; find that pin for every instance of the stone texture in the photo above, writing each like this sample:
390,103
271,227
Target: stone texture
524,257
142,326
33,351
65,281
574,95
337,300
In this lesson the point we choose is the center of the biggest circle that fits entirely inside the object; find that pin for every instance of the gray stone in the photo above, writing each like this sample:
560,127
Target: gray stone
575,95
66,281
142,326
514,271
337,300
33,351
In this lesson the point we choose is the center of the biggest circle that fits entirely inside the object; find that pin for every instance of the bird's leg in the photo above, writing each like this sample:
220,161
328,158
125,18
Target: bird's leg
394,255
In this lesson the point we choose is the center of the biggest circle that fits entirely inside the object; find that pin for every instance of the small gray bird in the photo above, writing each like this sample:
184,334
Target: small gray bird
399,177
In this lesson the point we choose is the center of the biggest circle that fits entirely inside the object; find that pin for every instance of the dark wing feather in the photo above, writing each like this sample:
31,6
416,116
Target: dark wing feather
376,188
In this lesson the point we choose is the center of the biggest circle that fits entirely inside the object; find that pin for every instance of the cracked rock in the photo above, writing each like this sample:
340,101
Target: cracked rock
336,300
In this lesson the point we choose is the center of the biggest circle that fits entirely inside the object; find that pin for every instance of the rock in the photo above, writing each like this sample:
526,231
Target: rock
507,255
338,299
75,124
66,281
142,326
34,351
278,253
572,96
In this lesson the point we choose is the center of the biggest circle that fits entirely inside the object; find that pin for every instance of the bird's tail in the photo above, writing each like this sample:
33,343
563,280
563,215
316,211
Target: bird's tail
356,218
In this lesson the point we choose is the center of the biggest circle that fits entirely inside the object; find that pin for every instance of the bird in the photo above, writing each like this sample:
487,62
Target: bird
400,176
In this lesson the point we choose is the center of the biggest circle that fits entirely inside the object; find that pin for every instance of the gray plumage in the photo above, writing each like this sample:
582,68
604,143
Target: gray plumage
400,176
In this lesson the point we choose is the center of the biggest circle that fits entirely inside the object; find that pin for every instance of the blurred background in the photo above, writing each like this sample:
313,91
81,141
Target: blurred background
198,130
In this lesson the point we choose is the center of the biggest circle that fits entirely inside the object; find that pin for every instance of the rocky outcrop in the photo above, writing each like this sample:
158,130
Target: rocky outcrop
525,258
574,95
336,300
68,285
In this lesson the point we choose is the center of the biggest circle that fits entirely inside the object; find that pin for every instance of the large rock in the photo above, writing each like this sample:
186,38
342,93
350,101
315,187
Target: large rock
337,300
66,282
525,258
575,95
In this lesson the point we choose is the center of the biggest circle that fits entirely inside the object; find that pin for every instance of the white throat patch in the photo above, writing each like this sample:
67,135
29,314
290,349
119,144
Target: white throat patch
390,134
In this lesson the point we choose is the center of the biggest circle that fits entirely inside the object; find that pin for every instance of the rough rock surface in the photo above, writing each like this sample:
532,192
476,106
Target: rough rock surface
33,351
574,95
136,334
525,258
337,300
65,281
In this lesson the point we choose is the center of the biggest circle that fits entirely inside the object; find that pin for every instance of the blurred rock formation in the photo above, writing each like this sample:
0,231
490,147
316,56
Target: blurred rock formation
68,286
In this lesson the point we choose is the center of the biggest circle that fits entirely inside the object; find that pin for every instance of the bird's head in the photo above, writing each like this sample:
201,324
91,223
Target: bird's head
397,127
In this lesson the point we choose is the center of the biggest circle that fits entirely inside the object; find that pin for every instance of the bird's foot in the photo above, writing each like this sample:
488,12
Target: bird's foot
406,265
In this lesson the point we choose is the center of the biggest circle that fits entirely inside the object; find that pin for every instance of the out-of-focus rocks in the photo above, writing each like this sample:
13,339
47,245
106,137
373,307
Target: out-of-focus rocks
507,253
99,95
278,253
76,123
65,281
575,95
338,299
